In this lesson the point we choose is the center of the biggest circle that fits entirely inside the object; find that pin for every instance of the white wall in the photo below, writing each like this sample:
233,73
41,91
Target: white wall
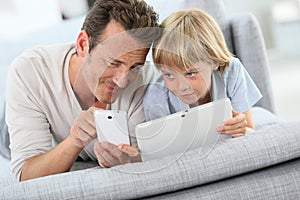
18,17
271,14
262,9
73,8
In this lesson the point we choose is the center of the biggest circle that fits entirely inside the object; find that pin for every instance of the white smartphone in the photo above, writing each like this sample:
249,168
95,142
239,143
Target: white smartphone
111,126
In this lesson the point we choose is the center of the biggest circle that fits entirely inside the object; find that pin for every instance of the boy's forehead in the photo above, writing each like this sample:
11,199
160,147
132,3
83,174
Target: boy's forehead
181,68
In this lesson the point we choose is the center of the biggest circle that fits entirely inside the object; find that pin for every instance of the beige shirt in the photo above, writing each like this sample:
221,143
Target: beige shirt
41,105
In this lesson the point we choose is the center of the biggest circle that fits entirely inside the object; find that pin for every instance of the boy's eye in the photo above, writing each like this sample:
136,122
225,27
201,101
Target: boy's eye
191,74
168,75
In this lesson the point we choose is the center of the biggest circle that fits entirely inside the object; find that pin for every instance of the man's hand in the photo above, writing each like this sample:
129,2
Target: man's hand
83,130
110,155
236,126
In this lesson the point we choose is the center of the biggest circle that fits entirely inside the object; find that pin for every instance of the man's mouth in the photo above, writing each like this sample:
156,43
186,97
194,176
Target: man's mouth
110,87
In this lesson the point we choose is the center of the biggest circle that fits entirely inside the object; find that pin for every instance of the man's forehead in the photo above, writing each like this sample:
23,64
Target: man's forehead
123,42
115,53
125,56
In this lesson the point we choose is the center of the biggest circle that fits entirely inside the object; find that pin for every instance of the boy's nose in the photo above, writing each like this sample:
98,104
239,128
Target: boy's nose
182,83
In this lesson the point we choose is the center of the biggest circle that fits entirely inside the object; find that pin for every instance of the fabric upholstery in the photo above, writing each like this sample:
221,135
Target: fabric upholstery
250,47
263,148
6,176
278,182
263,117
4,137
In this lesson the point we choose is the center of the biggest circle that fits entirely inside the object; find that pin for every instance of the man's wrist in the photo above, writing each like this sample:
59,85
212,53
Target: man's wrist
74,143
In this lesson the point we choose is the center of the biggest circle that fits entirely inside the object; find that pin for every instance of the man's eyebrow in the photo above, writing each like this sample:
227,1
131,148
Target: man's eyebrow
116,60
121,62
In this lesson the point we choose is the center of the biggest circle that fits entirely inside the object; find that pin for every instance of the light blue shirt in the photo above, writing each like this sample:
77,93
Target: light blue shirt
234,83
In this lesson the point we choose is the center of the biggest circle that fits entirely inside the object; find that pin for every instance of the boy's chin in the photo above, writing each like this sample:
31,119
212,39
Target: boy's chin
190,102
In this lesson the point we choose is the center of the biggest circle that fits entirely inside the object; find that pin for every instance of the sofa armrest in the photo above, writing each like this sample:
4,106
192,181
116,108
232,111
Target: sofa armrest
249,47
265,147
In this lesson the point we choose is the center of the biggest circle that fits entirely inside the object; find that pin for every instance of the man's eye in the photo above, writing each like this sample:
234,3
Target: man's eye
136,68
113,64
191,74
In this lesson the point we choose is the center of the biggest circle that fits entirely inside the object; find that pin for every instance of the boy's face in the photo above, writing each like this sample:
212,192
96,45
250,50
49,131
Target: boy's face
189,86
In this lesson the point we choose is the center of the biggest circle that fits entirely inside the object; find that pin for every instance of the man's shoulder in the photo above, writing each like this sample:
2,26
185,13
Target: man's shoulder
40,57
39,67
47,52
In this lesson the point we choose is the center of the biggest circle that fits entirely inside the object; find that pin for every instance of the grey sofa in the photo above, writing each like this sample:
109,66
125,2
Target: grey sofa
261,165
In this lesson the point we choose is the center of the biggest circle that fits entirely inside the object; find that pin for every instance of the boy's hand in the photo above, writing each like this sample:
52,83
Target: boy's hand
236,126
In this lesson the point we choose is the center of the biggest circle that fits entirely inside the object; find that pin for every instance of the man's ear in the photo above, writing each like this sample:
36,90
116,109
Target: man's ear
82,44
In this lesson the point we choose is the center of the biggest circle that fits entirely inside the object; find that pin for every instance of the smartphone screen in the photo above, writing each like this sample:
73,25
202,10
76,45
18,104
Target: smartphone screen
111,126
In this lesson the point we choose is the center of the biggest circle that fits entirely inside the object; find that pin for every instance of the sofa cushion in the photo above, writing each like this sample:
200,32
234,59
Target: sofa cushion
281,181
4,137
232,157
6,176
262,117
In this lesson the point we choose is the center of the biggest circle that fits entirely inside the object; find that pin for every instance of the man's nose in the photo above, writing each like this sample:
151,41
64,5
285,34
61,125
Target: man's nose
121,78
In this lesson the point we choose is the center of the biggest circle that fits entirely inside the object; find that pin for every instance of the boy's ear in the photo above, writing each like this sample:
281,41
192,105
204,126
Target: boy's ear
215,66
82,43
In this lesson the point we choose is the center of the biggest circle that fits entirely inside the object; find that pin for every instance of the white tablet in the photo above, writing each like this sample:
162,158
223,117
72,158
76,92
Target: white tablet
111,126
182,131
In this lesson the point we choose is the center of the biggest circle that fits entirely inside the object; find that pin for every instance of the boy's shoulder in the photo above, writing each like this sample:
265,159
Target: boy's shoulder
233,69
157,86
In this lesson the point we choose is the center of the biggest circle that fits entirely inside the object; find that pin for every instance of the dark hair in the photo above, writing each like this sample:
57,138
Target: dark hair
131,14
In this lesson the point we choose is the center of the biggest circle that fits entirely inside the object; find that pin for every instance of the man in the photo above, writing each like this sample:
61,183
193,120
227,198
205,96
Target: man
52,91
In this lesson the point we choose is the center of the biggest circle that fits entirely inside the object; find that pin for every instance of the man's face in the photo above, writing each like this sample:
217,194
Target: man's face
113,64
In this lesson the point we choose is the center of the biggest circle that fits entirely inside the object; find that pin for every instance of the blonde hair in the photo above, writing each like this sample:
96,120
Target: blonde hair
188,37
